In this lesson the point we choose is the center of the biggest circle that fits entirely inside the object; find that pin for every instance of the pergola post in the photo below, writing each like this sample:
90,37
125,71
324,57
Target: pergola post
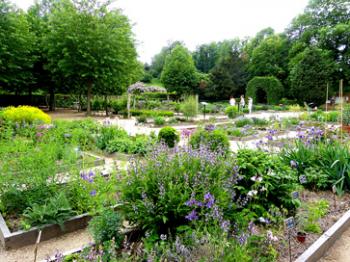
128,105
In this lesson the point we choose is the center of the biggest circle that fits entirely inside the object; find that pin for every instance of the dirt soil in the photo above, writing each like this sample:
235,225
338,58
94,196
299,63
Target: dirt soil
337,207
47,248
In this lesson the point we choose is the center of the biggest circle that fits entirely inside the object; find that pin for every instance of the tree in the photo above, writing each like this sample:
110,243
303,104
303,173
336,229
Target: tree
158,60
91,48
228,77
16,44
179,72
310,71
205,56
269,58
325,24
37,17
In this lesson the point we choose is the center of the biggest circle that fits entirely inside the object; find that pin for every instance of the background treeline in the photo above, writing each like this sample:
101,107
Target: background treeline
311,52
78,47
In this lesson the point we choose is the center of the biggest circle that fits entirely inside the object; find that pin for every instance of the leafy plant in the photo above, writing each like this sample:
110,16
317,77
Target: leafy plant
107,134
169,136
189,106
243,122
56,210
216,140
231,111
159,121
106,226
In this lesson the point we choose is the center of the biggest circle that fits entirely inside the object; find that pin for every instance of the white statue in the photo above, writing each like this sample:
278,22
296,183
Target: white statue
232,101
250,105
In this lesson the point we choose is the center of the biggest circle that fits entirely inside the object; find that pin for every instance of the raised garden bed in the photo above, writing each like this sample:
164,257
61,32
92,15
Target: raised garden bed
22,238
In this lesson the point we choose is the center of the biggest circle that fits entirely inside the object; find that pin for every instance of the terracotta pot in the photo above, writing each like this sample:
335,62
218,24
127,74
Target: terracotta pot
346,128
301,237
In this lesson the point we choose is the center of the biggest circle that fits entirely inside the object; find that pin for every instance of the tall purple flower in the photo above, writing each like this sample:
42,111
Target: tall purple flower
192,216
209,200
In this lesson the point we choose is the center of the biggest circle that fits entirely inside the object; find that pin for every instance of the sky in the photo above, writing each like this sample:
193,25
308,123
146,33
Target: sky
195,22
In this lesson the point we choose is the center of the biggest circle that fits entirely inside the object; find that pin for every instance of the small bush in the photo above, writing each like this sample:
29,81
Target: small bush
141,119
119,144
119,105
260,121
159,121
244,122
105,227
169,136
332,116
108,134
231,111
26,114
190,107
216,140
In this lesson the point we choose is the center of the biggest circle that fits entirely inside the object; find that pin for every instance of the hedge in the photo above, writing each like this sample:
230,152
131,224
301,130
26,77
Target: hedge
151,113
269,84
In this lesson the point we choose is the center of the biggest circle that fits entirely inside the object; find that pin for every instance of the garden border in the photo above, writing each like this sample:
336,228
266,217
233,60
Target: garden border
23,238
326,241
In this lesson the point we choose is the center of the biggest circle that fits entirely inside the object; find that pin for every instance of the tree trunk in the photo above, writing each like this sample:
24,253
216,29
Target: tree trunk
89,91
52,99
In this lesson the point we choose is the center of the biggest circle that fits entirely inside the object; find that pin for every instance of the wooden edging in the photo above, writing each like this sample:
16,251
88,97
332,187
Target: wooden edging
22,238
320,247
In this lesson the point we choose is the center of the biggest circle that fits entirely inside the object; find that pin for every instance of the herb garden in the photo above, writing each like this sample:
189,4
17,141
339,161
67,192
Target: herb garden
184,195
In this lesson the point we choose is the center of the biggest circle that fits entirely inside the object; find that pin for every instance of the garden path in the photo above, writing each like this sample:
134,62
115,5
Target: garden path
340,252
63,243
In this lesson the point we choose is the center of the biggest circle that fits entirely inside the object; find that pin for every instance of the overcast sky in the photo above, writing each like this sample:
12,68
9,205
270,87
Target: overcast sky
156,22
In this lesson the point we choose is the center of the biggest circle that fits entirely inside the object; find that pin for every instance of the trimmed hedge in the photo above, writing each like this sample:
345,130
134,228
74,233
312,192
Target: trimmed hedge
151,113
269,84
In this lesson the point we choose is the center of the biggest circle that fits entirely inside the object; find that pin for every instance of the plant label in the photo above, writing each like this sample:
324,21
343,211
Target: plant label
302,179
295,195
289,223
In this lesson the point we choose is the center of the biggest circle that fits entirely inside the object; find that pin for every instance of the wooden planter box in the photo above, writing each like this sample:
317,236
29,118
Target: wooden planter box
23,238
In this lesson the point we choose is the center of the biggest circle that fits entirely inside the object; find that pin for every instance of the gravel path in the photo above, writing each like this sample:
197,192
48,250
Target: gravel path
63,243
340,252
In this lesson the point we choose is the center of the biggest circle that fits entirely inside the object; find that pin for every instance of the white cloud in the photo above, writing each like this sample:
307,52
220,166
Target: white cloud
200,21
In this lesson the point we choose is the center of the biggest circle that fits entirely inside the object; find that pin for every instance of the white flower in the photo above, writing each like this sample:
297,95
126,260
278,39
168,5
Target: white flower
270,236
256,178
252,193
262,220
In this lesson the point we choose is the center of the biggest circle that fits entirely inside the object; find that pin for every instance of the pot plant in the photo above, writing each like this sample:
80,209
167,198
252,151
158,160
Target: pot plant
301,236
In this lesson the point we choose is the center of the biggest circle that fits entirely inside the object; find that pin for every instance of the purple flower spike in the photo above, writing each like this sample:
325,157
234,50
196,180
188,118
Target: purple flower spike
192,216
93,193
209,200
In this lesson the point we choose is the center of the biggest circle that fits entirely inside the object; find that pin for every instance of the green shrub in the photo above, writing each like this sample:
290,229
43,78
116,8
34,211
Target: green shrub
141,119
231,111
159,121
119,105
169,136
189,107
260,122
108,134
332,116
244,122
106,226
268,84
216,140
119,144
24,114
